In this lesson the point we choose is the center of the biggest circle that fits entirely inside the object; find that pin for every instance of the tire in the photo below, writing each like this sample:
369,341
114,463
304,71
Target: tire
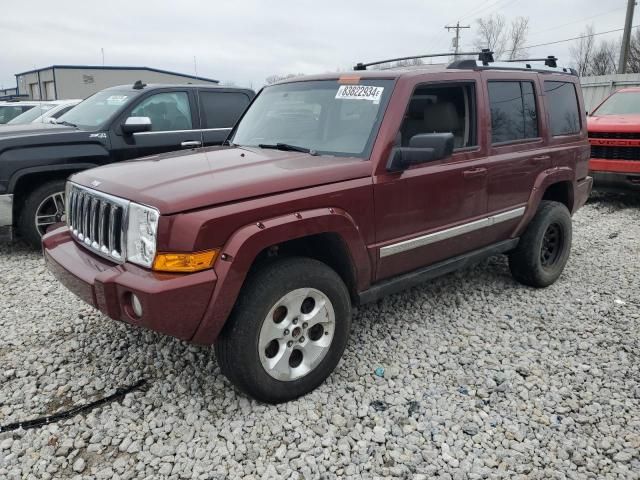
39,202
543,250
256,349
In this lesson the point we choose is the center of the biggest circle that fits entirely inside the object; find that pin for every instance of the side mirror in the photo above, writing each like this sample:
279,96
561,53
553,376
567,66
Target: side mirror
135,125
423,148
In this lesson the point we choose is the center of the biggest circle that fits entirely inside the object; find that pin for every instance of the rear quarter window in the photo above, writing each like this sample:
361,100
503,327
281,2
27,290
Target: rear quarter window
222,109
562,104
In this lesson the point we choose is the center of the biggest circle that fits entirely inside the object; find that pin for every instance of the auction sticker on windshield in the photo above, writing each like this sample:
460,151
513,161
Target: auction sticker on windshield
117,99
360,92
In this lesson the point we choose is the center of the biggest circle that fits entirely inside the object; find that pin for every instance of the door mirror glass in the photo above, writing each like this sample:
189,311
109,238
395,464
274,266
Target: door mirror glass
136,124
423,148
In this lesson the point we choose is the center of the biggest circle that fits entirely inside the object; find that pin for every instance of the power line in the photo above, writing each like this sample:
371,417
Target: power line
578,38
578,21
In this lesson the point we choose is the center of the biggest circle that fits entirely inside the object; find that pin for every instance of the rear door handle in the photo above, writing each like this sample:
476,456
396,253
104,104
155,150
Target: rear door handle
474,172
539,159
191,144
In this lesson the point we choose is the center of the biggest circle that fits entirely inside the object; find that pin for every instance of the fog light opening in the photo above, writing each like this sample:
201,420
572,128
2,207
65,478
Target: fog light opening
136,306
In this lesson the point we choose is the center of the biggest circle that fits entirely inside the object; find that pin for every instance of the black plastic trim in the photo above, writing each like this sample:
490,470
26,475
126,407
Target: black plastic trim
416,277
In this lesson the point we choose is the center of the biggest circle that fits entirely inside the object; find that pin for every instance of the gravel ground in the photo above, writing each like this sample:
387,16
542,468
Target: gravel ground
483,378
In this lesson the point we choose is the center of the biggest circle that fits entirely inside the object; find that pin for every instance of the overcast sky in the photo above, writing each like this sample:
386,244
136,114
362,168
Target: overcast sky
244,41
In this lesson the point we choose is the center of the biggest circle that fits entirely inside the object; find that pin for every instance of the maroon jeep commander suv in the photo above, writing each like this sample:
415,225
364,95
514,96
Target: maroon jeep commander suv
333,190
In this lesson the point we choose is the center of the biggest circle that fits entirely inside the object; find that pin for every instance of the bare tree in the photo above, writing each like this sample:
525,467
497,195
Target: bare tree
505,39
582,52
633,63
517,38
492,34
604,59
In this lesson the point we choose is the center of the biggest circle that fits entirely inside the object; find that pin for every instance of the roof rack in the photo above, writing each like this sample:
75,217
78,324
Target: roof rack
549,61
550,65
485,56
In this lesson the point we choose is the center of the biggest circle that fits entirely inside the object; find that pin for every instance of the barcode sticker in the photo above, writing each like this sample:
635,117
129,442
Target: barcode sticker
360,92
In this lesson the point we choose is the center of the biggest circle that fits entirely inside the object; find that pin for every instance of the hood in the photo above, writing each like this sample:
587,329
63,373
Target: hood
177,182
613,123
41,134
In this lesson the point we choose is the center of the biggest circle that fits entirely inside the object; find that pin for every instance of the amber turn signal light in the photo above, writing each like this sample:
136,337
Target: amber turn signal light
184,262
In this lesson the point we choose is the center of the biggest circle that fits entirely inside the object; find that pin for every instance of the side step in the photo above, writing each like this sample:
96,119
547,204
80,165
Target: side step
416,277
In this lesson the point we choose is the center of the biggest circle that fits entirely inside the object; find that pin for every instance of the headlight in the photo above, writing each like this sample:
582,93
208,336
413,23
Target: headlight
142,231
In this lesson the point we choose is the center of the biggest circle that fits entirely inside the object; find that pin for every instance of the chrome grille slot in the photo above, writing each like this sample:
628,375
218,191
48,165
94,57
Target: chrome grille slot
97,221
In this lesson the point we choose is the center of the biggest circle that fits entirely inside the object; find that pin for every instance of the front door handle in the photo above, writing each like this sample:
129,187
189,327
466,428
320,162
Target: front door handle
191,144
474,172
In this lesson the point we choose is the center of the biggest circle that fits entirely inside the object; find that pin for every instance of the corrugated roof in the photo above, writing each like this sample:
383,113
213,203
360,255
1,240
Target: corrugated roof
115,67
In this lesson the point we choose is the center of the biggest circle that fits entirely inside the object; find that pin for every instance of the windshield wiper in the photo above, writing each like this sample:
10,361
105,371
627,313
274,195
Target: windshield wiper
288,148
68,124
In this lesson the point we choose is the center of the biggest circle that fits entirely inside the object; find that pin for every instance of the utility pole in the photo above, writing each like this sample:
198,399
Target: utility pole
626,37
457,28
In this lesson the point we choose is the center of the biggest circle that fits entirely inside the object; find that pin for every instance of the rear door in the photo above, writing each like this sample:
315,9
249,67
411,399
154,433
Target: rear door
518,147
174,120
219,112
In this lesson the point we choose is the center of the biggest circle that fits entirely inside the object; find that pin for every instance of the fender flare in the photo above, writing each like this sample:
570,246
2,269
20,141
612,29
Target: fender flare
67,167
544,181
242,248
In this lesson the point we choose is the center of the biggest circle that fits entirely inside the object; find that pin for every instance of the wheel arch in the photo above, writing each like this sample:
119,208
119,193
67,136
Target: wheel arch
557,185
26,180
327,234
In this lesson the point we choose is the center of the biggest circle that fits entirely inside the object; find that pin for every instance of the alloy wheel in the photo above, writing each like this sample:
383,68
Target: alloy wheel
296,334
51,210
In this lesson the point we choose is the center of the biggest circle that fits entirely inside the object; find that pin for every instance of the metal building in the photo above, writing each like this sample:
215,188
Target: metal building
59,82
595,89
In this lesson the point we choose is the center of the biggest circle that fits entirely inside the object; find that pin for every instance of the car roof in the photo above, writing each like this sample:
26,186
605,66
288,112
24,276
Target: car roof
415,71
150,86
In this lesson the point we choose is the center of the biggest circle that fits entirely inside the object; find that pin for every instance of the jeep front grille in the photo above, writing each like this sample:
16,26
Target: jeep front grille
97,221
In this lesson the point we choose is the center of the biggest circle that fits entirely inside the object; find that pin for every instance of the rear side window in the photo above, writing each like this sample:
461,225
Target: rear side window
562,104
221,109
514,115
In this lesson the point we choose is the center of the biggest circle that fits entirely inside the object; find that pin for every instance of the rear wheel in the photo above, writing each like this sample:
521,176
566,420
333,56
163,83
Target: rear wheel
42,208
288,330
544,248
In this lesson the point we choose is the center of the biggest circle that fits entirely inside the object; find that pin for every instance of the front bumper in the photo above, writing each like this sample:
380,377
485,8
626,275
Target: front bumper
6,217
172,304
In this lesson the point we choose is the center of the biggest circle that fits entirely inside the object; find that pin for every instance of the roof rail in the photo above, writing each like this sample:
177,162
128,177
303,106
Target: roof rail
549,61
550,65
485,56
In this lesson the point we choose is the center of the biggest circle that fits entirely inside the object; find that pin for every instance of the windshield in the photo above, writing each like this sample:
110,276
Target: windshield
97,109
9,112
621,103
30,115
323,116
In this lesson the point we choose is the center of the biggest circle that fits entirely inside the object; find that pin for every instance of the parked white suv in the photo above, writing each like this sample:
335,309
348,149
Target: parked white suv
45,112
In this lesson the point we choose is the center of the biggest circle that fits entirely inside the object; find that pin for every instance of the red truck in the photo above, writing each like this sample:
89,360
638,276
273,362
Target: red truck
614,135
332,191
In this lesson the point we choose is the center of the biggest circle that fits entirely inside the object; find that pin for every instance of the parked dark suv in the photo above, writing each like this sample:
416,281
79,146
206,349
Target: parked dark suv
336,189
119,123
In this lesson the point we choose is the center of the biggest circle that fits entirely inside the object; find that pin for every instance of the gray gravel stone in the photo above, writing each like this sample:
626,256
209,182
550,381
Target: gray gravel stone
484,379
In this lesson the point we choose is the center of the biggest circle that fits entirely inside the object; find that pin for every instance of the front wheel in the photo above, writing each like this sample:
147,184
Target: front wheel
287,331
42,208
544,248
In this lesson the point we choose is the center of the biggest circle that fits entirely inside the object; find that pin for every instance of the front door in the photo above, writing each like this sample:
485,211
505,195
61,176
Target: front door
173,126
430,212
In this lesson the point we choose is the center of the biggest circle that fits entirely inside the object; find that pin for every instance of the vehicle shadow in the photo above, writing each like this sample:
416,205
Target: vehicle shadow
613,201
